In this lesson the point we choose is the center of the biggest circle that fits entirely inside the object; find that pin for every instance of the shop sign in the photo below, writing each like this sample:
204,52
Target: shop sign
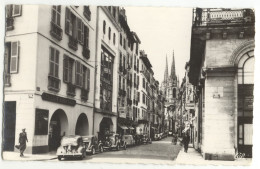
189,106
58,99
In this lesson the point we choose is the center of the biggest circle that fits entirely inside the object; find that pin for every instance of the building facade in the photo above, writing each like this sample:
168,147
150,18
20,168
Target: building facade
222,72
48,67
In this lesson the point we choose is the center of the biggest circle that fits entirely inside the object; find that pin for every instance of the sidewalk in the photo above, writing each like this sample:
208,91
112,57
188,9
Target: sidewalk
15,156
195,158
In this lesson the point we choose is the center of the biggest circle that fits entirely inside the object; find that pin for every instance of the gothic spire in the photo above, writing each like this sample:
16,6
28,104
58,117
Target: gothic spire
173,73
166,71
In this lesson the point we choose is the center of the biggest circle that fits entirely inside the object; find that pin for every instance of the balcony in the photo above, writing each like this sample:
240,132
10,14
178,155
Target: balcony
86,52
56,31
73,43
122,92
129,83
84,94
7,80
219,17
53,83
71,88
9,24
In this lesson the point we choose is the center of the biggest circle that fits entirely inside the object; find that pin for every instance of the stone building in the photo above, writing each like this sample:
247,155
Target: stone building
170,91
222,71
47,72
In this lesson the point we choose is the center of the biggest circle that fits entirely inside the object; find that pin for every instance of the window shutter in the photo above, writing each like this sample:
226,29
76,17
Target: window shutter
88,78
79,30
81,74
9,11
57,63
65,69
6,60
14,57
68,25
17,10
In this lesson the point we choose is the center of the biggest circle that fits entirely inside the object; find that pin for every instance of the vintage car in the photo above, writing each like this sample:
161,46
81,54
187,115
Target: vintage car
146,139
156,136
92,145
113,141
71,146
129,139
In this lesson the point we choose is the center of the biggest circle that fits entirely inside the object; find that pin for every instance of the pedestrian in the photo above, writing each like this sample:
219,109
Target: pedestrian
22,141
186,141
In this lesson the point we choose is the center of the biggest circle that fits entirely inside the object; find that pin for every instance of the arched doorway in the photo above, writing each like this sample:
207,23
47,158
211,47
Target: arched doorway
105,127
82,126
245,103
58,127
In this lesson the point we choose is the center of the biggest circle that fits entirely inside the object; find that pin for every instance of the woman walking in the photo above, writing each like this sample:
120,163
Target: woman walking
22,141
186,141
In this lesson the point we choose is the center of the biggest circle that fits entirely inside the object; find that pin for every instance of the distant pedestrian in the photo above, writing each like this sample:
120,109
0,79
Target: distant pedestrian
22,141
186,141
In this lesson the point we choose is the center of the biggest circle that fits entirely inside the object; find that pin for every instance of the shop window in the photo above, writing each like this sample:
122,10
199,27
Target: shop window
53,78
41,122
56,30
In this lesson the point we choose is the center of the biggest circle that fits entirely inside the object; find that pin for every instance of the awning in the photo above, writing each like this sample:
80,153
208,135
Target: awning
123,127
131,128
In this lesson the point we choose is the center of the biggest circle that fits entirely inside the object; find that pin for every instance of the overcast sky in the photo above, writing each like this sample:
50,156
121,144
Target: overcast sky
162,30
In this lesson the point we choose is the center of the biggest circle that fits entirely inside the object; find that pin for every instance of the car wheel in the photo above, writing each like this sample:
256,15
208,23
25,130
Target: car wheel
93,151
117,147
59,158
101,149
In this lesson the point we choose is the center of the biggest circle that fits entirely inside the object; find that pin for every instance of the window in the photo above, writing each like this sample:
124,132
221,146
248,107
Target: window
104,27
53,80
71,29
13,10
137,80
143,83
68,22
119,82
80,31
78,75
12,57
120,39
138,96
109,33
86,51
55,18
114,12
56,30
68,69
114,38
136,50
86,83
41,121
124,44
87,13
143,98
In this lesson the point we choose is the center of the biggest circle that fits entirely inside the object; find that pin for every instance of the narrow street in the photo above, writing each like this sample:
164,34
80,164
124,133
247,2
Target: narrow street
158,150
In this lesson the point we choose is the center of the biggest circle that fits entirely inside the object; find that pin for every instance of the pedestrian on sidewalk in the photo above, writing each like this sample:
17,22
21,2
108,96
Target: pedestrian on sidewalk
186,141
22,141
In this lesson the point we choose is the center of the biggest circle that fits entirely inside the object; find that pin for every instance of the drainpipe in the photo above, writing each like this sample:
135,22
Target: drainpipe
95,77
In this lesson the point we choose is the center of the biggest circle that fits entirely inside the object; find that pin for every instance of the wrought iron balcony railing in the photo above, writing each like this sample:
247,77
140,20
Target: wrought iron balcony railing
7,80
71,89
53,83
73,43
56,31
221,16
84,94
86,52
9,23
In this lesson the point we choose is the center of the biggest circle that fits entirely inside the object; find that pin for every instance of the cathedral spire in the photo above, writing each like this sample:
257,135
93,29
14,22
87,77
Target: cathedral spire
166,71
173,73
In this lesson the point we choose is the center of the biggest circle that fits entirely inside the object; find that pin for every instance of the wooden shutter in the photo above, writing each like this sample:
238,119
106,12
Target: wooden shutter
57,63
9,11
68,24
17,10
79,72
79,30
65,69
14,57
88,78
86,36
6,60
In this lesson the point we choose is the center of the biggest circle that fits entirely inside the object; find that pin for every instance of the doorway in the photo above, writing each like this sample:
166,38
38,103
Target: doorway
9,124
82,126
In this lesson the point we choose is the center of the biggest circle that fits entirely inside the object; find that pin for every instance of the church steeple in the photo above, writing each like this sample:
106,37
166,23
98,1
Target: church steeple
166,71
173,73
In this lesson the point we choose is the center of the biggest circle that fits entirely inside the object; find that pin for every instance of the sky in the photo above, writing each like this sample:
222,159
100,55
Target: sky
162,30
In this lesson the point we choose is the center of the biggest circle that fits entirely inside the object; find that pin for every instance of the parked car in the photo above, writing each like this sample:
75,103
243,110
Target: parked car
138,139
160,136
146,139
113,141
157,137
129,139
71,146
170,133
92,145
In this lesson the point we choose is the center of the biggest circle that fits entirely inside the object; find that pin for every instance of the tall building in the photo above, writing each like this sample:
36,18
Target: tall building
48,66
169,89
222,71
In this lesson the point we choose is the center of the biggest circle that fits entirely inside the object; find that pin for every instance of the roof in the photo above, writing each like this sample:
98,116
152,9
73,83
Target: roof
146,61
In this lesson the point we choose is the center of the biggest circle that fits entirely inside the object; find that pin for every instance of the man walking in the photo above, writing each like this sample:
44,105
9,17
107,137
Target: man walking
186,141
22,141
